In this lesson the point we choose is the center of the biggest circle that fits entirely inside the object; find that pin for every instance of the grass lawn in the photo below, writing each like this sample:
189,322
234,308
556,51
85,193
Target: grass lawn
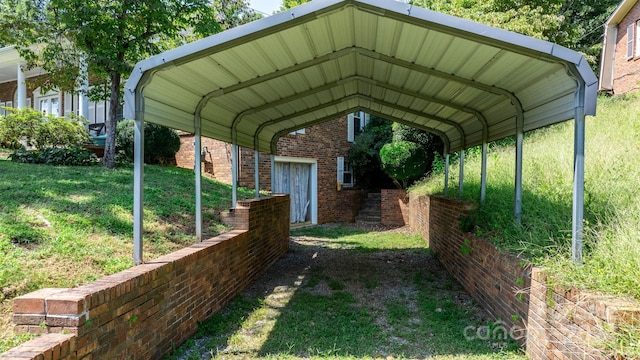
66,226
346,293
612,201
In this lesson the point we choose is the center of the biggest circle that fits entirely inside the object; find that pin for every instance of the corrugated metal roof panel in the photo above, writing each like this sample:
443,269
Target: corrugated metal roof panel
331,56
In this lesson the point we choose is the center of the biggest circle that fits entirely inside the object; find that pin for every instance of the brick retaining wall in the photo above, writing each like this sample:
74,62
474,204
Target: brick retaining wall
146,311
394,207
560,323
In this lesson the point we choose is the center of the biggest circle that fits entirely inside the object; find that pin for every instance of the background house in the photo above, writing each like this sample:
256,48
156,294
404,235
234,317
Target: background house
620,65
311,166
16,91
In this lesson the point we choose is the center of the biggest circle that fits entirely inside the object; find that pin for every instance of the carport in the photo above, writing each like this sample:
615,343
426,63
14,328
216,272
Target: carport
468,83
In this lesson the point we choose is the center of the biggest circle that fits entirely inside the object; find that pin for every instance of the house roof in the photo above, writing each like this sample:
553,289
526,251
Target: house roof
607,62
620,12
467,82
9,60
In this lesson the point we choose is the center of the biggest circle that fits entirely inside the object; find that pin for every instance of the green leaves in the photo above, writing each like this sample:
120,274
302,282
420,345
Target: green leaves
403,161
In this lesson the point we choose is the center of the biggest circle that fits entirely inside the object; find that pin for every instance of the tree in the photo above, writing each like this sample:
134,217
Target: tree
288,4
431,143
573,24
364,154
403,161
110,35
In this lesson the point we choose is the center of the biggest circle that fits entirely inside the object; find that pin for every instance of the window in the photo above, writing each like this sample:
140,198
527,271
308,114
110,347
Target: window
7,104
345,173
48,103
355,124
630,40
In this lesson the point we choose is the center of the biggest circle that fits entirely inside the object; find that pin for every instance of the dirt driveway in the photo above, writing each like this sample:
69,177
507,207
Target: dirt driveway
330,298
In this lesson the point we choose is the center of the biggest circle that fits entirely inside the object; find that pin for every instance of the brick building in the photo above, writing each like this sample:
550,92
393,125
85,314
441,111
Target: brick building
17,90
310,160
620,66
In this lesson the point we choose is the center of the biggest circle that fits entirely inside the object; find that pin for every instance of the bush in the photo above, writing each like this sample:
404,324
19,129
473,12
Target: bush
71,156
432,144
403,161
160,143
41,131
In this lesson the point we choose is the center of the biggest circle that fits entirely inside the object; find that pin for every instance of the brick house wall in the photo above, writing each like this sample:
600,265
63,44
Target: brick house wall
8,92
626,73
146,311
323,142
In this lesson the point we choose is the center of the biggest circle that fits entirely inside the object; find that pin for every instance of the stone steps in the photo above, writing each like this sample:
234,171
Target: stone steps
370,211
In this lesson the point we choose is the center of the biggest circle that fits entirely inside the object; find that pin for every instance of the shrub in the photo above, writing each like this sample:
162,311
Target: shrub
431,143
160,143
70,156
403,161
41,131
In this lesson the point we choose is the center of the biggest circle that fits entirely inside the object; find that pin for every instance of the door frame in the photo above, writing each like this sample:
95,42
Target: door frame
314,181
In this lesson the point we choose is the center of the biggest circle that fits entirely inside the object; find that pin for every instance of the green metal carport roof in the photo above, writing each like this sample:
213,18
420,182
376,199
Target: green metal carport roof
466,82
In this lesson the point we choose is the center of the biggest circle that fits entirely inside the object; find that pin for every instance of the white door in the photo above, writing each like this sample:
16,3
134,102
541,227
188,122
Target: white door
295,179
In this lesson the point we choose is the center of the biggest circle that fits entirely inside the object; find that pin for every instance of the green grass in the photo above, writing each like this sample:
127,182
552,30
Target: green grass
346,237
66,226
328,315
612,199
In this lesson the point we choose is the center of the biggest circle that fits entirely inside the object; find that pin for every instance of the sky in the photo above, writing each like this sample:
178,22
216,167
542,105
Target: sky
265,6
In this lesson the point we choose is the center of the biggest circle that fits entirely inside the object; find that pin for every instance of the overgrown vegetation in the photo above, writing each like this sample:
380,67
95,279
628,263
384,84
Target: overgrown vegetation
64,226
612,199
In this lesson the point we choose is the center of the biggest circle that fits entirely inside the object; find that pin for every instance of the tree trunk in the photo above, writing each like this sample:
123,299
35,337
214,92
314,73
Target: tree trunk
109,159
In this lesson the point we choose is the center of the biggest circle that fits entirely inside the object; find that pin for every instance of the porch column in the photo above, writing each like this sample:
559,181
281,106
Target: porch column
21,102
198,173
578,178
83,97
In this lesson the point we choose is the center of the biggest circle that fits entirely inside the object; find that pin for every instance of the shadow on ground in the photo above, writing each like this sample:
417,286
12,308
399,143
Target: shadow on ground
324,301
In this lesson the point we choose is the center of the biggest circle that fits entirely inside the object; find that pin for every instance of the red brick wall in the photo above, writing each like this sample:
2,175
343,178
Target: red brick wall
216,162
569,324
394,206
563,324
143,312
323,142
8,92
626,73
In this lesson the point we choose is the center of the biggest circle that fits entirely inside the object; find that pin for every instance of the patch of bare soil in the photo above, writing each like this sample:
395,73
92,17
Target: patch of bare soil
376,279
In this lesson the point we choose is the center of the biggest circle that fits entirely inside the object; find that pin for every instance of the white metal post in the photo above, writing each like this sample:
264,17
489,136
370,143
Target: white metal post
446,174
578,178
483,174
138,180
198,173
461,179
22,89
518,177
256,157
234,175
273,174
